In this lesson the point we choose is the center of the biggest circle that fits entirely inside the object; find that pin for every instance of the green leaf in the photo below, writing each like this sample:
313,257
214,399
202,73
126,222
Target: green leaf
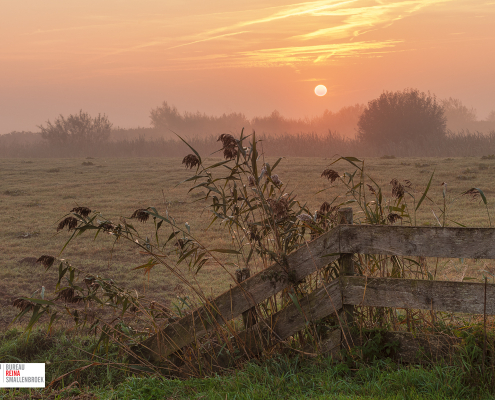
276,163
226,251
425,192
150,264
39,301
295,300
480,192
217,165
254,158
188,145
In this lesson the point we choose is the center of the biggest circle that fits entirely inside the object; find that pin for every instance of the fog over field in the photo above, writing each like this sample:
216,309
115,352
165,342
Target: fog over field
326,134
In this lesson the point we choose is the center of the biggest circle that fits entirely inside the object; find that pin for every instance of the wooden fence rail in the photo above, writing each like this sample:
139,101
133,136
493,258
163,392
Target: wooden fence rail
478,243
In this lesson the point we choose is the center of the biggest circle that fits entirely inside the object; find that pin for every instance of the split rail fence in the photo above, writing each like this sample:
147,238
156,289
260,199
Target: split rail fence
343,294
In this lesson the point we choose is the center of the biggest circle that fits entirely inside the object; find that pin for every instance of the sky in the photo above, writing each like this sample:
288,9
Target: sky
123,58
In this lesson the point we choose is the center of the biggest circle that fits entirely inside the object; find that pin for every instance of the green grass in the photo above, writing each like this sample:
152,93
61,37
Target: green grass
63,352
289,378
282,379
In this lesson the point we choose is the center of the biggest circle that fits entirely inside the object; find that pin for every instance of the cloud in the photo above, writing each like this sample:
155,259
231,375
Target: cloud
362,19
316,53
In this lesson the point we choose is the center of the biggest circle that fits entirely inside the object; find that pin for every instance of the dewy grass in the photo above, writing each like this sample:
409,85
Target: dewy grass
63,353
284,378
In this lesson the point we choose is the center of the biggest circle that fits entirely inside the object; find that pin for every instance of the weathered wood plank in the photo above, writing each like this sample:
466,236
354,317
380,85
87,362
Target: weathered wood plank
408,241
279,326
463,297
418,241
242,297
346,264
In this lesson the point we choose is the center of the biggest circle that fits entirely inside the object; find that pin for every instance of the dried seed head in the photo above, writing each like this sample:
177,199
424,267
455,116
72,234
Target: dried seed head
141,215
331,175
473,192
263,170
392,217
89,280
230,148
251,180
82,211
66,295
276,180
371,189
46,261
397,189
305,217
253,233
230,152
191,161
280,208
325,207
106,226
180,243
408,183
69,222
23,304
227,140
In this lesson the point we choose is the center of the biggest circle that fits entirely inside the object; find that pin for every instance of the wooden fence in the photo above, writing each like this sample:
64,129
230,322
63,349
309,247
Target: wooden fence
341,295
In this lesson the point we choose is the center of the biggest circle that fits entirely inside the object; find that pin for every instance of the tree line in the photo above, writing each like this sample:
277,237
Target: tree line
407,122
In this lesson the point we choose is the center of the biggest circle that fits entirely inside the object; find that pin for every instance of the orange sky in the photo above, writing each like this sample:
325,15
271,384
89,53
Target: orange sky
123,58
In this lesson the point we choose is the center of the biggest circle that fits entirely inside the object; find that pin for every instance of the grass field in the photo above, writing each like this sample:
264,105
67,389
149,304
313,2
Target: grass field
36,193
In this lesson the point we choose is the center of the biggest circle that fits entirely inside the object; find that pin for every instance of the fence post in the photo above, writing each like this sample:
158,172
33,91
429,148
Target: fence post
346,263
249,316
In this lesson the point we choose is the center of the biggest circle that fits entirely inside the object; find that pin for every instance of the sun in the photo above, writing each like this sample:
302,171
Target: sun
320,90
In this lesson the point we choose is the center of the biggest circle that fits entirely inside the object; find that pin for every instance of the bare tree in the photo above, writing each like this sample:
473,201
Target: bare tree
77,129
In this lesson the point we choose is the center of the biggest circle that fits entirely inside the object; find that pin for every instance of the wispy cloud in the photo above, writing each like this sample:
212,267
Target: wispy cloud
336,21
207,39
316,53
361,19
313,32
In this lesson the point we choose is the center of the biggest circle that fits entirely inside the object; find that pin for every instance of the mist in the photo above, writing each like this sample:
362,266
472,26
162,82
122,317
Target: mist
324,135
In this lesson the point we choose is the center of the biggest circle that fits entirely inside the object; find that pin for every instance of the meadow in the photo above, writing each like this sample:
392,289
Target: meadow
35,194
